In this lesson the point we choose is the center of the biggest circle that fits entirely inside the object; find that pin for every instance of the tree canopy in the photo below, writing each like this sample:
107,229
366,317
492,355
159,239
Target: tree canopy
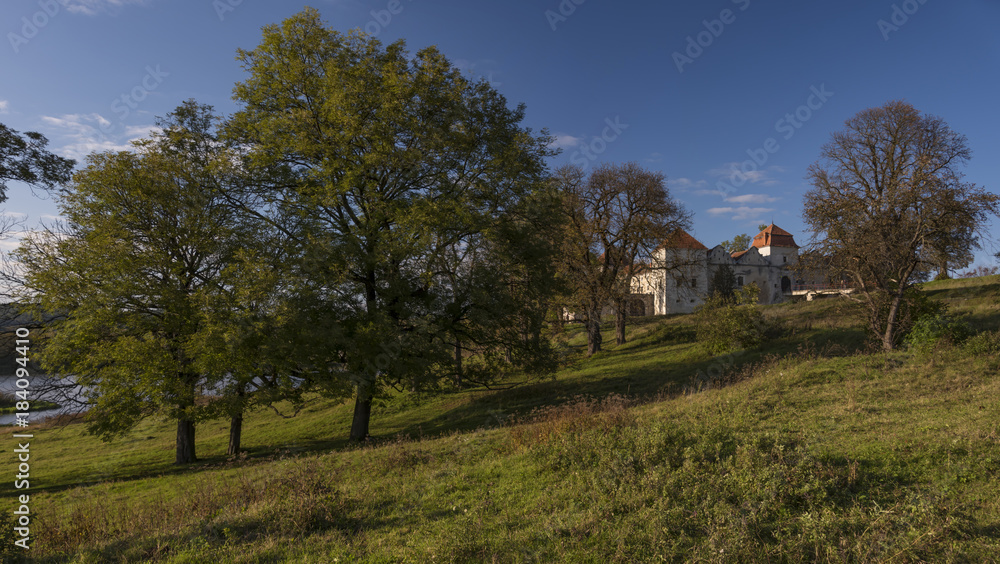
887,199
420,200
738,243
144,249
23,158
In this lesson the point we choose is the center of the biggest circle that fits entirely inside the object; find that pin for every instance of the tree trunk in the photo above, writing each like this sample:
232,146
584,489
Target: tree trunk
235,433
185,442
458,363
621,317
593,333
236,424
889,337
362,414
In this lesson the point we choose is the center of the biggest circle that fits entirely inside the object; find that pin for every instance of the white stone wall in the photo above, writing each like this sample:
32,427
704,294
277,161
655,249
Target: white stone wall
680,281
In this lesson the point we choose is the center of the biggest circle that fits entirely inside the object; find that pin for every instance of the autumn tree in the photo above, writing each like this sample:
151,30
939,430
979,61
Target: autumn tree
615,218
419,195
144,246
888,196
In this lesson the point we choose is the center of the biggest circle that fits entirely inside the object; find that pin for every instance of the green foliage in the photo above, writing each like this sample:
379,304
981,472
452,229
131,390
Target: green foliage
738,243
985,343
914,305
932,331
723,283
422,214
730,325
23,158
147,240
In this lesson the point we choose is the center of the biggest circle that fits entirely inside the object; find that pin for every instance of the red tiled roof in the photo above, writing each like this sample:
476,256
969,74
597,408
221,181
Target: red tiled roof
680,239
738,254
774,236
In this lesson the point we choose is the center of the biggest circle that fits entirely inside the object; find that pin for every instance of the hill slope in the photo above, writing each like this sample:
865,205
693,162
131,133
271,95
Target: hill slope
805,450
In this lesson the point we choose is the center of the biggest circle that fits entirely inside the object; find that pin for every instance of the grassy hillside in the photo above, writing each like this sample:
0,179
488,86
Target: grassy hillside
805,450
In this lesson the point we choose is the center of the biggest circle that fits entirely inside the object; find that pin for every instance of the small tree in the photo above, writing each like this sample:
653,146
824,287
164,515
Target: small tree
615,218
738,243
723,283
887,195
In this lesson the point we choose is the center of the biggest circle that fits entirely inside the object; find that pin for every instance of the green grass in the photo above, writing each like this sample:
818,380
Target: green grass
808,449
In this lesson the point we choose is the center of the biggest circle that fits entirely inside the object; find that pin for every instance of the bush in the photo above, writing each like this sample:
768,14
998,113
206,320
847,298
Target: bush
725,326
984,343
931,331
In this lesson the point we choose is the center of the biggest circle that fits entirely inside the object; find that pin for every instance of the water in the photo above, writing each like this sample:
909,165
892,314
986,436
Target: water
8,385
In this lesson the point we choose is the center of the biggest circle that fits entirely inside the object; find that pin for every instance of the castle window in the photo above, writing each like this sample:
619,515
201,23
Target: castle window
784,259
694,282
739,281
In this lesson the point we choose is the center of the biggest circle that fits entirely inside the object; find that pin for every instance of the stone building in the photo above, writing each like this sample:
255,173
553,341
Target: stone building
677,280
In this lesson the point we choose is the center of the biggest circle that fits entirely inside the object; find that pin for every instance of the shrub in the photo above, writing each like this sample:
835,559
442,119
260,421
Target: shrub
725,326
931,331
987,342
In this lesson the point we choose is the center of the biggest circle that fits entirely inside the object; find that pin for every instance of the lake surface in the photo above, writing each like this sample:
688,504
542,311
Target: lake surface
8,384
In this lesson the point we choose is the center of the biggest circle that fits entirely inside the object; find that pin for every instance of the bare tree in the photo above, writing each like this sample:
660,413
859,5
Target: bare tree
887,197
615,219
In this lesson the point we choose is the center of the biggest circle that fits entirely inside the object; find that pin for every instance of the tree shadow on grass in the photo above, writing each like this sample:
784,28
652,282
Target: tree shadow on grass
639,370
649,382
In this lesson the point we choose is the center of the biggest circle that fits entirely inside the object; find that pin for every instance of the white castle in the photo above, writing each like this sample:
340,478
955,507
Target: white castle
677,280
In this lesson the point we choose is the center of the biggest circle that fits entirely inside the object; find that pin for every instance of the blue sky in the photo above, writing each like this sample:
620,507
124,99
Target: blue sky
695,89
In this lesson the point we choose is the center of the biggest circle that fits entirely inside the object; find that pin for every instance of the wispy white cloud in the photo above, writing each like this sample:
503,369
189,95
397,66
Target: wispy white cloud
751,199
4,106
78,135
654,158
741,213
685,184
733,173
563,141
94,7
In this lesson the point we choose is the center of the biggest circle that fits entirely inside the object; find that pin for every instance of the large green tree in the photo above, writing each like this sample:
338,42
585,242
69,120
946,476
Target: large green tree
134,271
887,199
421,201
